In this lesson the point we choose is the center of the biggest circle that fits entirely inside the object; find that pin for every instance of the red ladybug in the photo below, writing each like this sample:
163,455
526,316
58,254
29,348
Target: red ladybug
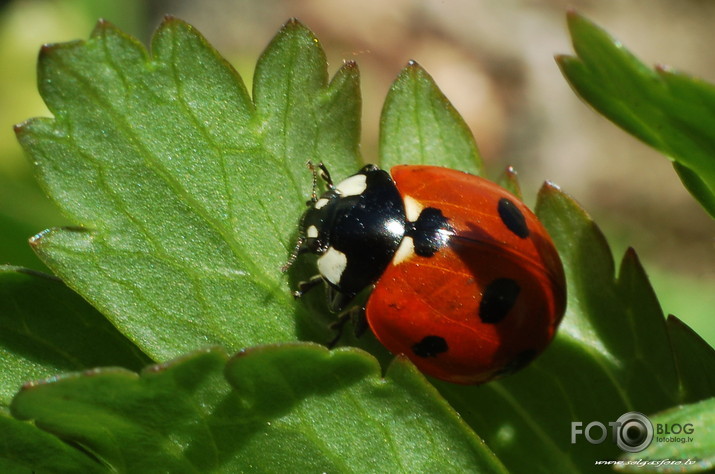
466,281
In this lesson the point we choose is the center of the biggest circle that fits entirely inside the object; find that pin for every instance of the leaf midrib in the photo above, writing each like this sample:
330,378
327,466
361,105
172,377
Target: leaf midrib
260,277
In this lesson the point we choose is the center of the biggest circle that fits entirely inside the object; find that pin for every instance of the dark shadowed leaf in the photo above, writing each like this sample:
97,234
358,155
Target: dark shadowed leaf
46,328
281,408
685,443
612,355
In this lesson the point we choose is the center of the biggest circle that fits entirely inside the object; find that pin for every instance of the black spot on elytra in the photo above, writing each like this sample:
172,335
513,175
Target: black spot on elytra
513,218
498,299
521,360
430,346
429,232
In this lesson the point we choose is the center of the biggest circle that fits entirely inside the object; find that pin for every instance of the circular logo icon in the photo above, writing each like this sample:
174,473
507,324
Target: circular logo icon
634,432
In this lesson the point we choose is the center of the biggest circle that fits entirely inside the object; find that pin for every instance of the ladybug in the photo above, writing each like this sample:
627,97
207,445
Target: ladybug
465,281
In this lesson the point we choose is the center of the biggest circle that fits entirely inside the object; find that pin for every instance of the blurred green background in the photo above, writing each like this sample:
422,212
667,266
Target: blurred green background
494,60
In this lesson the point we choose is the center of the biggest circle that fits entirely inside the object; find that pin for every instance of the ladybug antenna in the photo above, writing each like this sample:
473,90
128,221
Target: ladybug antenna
293,255
319,170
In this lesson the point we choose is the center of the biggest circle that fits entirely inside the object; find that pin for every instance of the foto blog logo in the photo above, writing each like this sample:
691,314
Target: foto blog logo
632,432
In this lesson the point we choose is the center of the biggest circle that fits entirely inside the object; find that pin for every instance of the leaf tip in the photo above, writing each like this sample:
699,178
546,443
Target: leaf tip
631,263
562,59
103,23
412,70
571,13
20,129
210,352
102,27
273,347
584,32
549,187
509,179
33,384
36,240
665,72
662,68
294,24
293,30
551,192
675,322
49,49
413,65
350,65
574,19
170,21
93,372
630,254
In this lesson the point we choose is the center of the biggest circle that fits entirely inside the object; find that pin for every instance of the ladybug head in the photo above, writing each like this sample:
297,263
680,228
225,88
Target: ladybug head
314,236
354,227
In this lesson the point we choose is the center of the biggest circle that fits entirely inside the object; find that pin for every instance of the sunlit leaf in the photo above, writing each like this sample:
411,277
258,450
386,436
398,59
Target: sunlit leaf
671,111
187,191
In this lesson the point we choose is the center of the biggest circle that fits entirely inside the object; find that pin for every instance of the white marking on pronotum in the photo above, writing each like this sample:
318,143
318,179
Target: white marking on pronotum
413,208
332,265
352,186
311,232
405,251
320,203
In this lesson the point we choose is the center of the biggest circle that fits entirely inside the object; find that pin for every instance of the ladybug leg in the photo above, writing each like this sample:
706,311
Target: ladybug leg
305,286
336,300
356,315
337,327
359,321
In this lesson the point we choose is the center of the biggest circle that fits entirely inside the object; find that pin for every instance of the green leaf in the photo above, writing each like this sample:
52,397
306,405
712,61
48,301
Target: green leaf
13,239
695,361
298,408
419,126
696,186
687,446
509,180
670,111
186,190
46,328
611,356
25,449
185,193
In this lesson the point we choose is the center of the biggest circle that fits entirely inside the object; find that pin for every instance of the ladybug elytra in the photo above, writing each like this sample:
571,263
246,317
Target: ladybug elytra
466,282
